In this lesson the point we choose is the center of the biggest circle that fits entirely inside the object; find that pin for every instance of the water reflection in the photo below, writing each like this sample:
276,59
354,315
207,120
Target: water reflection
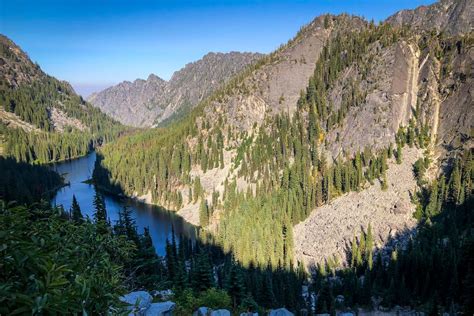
159,220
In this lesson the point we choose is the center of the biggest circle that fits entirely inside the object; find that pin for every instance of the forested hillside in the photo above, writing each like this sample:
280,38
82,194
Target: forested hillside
316,119
42,119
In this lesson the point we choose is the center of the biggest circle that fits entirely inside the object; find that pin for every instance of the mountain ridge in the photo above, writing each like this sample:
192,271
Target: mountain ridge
154,100
42,119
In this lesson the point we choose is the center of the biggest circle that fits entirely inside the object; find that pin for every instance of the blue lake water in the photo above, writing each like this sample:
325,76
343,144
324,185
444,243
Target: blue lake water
160,221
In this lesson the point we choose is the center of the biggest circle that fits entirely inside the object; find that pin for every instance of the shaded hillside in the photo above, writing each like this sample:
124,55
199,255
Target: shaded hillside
41,118
155,101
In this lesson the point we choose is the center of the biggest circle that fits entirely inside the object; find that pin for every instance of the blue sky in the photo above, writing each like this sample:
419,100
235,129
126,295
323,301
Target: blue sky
94,44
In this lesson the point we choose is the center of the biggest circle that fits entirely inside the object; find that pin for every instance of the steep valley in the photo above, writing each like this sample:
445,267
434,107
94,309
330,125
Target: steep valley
334,175
384,90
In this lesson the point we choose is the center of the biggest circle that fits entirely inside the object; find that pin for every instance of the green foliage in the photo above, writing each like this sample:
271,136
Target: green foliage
52,265
188,302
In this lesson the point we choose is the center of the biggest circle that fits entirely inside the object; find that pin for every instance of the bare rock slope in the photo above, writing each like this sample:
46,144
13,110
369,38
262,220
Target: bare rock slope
451,17
330,229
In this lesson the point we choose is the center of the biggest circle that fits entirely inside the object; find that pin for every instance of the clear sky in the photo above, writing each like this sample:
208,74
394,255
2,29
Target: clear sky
97,43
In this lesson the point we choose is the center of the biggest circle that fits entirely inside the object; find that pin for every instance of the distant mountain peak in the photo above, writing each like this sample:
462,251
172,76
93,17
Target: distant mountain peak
154,77
145,102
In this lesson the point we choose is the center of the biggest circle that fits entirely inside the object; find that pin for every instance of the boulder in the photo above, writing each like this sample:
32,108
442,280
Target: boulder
340,299
280,312
161,309
249,314
139,302
220,312
202,311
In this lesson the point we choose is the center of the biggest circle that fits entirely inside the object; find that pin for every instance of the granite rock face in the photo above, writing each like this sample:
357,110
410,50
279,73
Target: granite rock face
452,17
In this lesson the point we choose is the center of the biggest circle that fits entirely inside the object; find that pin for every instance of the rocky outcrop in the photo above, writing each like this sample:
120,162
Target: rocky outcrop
456,104
329,230
61,121
280,312
143,103
449,16
161,309
206,311
140,304
13,121
276,86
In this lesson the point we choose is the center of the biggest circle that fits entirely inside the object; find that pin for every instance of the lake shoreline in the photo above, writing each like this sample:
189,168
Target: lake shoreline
161,222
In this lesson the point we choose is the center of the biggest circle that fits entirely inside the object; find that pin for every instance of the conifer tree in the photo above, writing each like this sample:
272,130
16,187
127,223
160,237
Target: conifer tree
235,285
100,211
266,294
204,213
129,225
170,260
100,214
202,276
399,153
369,245
149,269
76,213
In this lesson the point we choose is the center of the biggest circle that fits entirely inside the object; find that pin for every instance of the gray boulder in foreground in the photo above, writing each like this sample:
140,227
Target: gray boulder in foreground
280,312
161,309
139,302
220,312
202,311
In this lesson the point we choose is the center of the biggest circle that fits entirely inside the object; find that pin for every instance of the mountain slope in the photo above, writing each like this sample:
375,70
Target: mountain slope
42,118
448,16
318,118
153,101
132,103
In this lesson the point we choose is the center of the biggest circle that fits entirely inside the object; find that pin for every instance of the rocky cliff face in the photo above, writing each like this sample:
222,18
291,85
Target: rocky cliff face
448,16
275,87
133,103
153,101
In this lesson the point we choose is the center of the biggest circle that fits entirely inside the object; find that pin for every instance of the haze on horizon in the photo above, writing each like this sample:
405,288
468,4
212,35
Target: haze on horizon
95,44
